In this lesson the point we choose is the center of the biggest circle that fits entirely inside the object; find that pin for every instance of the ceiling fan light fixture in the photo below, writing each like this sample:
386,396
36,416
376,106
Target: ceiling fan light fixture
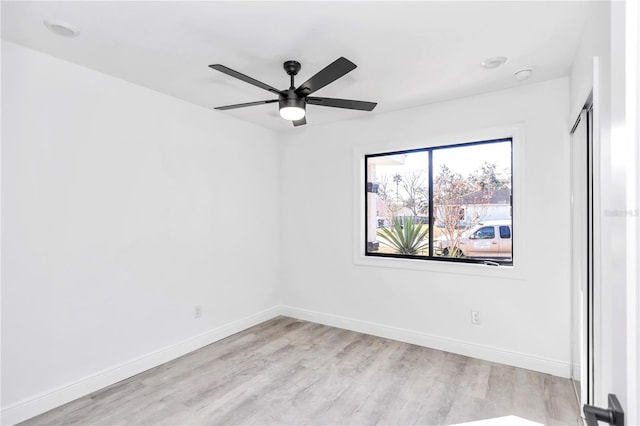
292,113
292,109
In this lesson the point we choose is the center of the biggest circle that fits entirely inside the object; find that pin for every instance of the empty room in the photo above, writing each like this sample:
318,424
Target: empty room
317,212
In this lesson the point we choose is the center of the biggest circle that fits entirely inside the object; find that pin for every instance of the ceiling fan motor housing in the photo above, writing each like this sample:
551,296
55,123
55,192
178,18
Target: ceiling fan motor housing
290,98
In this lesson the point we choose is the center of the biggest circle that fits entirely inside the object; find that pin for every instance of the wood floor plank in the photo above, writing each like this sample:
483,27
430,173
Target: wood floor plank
291,372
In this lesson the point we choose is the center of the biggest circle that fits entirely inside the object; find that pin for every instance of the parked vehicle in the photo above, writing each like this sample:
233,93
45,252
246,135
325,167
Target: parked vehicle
488,239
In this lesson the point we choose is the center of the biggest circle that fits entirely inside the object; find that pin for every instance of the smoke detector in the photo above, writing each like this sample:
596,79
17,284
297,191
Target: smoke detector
523,74
61,28
495,62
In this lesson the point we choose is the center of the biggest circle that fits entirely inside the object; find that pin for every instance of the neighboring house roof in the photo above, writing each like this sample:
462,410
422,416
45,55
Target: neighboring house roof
497,196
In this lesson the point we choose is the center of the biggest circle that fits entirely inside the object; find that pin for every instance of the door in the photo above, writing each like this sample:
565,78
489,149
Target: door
582,257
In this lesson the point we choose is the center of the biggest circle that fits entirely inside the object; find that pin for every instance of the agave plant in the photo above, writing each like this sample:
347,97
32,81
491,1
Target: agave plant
407,238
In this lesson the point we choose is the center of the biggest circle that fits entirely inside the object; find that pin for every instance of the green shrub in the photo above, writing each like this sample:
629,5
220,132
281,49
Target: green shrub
407,238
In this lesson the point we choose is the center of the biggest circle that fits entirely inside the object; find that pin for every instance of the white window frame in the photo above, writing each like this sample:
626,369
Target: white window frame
515,271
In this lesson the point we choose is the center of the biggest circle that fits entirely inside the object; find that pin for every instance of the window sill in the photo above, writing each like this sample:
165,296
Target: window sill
510,272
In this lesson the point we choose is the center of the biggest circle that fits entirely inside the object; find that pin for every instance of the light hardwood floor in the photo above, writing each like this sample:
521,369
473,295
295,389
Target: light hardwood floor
291,372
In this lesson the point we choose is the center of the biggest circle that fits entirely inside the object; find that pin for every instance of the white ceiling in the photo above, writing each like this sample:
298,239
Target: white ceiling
408,53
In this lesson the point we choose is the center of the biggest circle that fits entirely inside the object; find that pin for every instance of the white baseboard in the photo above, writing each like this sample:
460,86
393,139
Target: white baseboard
577,368
39,404
516,359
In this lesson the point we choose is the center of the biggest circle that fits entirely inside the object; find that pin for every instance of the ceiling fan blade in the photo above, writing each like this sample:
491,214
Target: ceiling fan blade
300,122
244,78
329,74
246,104
342,103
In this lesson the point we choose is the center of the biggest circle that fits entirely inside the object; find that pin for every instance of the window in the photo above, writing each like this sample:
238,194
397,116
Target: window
485,233
441,203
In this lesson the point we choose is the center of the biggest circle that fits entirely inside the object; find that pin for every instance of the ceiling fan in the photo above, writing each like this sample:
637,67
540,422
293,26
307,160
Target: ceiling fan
292,101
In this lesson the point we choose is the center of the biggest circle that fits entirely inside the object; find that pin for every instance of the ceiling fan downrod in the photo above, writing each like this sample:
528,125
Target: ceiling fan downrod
292,68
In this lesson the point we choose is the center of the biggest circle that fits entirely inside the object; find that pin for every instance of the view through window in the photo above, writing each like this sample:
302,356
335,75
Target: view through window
446,203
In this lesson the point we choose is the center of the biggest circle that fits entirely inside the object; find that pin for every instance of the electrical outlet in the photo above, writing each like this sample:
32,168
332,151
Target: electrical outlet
197,311
475,317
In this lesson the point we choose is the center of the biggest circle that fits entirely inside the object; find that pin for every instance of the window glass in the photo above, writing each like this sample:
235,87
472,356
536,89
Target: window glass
398,204
505,232
484,233
436,201
471,184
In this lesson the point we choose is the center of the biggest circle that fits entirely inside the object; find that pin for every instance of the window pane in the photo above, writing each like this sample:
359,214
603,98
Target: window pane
398,207
470,202
471,195
485,232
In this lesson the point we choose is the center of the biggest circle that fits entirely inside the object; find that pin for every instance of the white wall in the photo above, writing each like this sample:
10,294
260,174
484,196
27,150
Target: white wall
525,316
122,209
632,111
593,42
